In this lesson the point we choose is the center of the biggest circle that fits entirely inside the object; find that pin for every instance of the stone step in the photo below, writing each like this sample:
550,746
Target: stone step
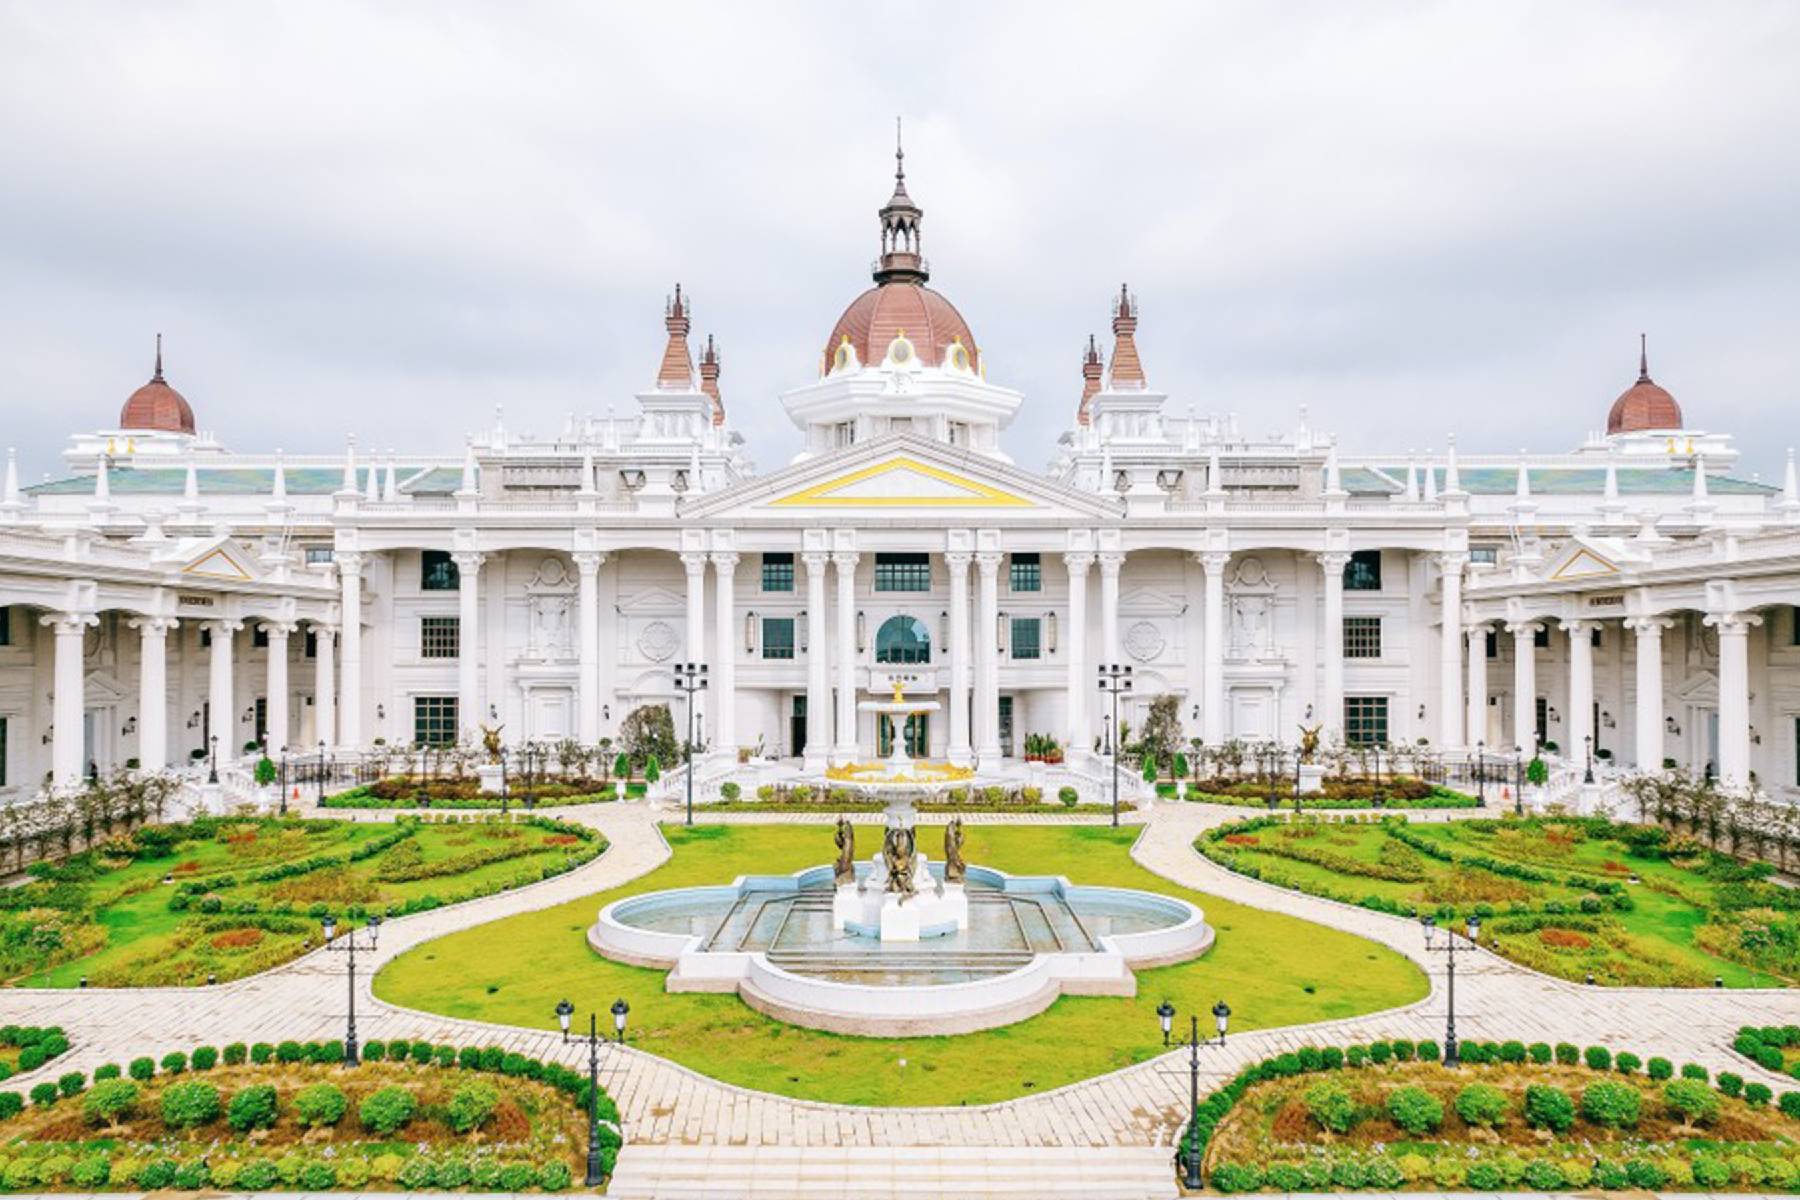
674,1172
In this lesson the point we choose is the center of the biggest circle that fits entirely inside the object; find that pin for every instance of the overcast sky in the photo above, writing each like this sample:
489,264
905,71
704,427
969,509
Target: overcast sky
389,218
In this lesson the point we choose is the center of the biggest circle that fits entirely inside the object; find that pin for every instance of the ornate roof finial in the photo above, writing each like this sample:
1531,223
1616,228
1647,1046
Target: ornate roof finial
709,380
1643,358
899,160
1127,369
900,218
157,377
1090,380
677,370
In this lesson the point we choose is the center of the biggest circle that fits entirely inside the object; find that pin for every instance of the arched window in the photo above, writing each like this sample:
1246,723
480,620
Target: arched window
903,640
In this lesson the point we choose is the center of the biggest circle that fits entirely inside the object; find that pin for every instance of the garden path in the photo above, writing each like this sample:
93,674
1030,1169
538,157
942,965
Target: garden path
1137,1108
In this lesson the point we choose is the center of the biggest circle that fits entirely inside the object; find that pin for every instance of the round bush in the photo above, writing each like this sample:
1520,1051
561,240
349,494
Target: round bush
1330,1106
258,1175
45,1094
187,1105
1567,1053
1643,1173
142,1069
1482,1104
174,1062
554,1176
1789,1103
1659,1069
261,1053
1694,1071
205,1058
1485,1177
388,1110
451,1173
1613,1105
374,1051
1757,1095
235,1054
418,1174
320,1104
1544,1175
1730,1082
517,1176
91,1173
1539,1053
192,1176
473,1105
110,1101
1627,1062
253,1108
70,1083
1598,1058
157,1174
12,1104
1415,1110
1549,1108
1690,1100
318,1176
1428,1051
1610,1175
107,1071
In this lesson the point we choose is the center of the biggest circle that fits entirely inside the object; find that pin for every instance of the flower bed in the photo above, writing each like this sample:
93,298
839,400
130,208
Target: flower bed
265,1117
26,1048
1384,1116
875,806
458,797
225,898
1572,897
1251,795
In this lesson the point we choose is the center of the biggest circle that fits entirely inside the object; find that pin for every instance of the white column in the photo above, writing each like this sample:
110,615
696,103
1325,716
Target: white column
1524,634
468,660
1734,695
349,713
961,745
818,665
845,750
153,691
1478,683
1331,699
1212,705
222,694
587,684
694,649
1450,690
279,731
1649,631
1110,565
324,684
1080,678
1581,689
724,684
987,659
67,734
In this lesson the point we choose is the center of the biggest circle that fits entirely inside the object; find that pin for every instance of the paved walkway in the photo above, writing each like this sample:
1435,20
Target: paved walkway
664,1103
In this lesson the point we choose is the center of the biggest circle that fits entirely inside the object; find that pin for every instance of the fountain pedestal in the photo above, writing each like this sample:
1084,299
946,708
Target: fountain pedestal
867,909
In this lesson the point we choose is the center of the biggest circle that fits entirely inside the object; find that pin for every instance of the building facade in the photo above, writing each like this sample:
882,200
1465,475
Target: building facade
1631,596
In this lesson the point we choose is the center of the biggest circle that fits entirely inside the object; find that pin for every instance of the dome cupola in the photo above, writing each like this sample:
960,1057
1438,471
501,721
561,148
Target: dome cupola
1644,405
156,406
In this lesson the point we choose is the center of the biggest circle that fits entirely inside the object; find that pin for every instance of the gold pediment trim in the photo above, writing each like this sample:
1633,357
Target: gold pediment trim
969,493
1583,564
217,564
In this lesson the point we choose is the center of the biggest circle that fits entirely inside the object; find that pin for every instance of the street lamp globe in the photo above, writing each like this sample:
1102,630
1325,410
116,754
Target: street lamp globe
1474,928
1221,1017
564,1010
329,927
1165,1013
1429,924
619,1011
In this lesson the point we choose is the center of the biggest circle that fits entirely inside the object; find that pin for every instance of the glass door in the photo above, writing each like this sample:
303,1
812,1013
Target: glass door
918,735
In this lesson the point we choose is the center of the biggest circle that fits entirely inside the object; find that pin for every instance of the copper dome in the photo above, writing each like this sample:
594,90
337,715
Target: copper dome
1644,405
878,316
156,405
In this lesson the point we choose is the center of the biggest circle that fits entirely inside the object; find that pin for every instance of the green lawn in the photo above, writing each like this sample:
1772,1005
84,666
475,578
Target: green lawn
1273,970
1677,925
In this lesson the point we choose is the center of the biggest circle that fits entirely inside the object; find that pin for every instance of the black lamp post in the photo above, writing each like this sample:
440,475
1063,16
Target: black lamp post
1114,679
1448,949
349,947
690,678
1518,781
321,772
564,1011
212,760
619,1011
1480,775
1588,741
283,773
1193,1177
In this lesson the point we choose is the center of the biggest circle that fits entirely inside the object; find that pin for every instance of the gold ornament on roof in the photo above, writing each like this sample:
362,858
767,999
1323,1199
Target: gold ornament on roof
899,691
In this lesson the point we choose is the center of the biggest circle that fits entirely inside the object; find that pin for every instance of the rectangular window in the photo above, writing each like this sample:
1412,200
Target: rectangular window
778,637
439,636
1493,643
1543,720
1488,555
1362,637
312,642
3,747
434,720
1027,573
957,432
903,572
259,638
316,555
778,572
843,434
261,730
1026,641
1366,720
5,626
1594,639
1541,639
205,638
1363,572
1793,626
437,572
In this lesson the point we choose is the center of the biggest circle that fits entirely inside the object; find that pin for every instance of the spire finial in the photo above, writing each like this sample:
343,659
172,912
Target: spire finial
899,158
158,376
1643,358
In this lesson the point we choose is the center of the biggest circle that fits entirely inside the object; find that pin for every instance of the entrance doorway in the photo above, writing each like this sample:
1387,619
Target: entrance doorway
1006,726
797,726
918,735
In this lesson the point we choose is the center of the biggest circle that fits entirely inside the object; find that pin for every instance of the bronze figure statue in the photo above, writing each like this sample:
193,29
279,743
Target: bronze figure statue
490,742
953,859
845,871
897,856
1309,742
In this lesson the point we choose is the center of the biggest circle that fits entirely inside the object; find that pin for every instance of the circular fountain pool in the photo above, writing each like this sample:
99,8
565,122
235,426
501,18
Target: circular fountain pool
1027,940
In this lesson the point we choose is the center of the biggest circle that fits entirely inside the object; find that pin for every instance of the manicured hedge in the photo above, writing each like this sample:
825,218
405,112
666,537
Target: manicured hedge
37,1045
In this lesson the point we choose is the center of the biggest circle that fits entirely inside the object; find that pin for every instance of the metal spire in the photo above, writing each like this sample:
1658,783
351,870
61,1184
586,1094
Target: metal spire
158,376
1643,358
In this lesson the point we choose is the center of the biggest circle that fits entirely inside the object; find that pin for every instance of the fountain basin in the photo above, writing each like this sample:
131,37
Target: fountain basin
1029,939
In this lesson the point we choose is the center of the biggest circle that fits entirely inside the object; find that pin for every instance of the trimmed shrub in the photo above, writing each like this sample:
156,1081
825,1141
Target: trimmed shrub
1548,1107
187,1105
1403,1049
374,1051
321,1104
1757,1095
1691,1100
12,1104
1659,1069
45,1094
142,1069
1789,1103
174,1062
318,1176
1539,1053
1428,1051
1415,1110
1355,1056
1544,1175
110,1101
1482,1104
235,1053
1614,1105
517,1176
205,1058
388,1110
1485,1177
1380,1053
70,1083
289,1051
1512,1052
473,1105
261,1053
554,1176
107,1071
1330,1106
1567,1053
1731,1083
252,1108
1627,1062
1598,1058
1694,1071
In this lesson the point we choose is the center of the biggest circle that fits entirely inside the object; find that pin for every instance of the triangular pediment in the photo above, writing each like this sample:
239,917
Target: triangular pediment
1585,558
901,474
218,558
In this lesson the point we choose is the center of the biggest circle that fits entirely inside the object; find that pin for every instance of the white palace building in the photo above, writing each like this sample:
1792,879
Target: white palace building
1632,591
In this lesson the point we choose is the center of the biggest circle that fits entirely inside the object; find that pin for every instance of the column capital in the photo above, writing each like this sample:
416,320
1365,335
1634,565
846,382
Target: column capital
1524,628
468,560
588,561
1575,626
1453,561
816,561
279,628
988,562
1649,626
1478,628
348,562
725,560
324,628
222,625
153,626
845,560
1732,623
1213,561
1079,561
695,563
1111,561
958,560
1333,561
70,622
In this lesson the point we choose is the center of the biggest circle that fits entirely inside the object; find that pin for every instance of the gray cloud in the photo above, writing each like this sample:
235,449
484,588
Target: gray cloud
389,218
